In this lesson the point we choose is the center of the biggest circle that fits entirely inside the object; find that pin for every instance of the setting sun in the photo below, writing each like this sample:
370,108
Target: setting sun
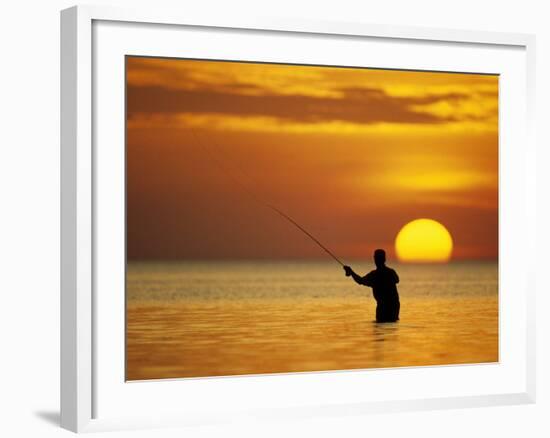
424,240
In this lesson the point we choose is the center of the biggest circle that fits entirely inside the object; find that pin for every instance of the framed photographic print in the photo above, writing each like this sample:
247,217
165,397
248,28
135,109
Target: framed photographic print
277,218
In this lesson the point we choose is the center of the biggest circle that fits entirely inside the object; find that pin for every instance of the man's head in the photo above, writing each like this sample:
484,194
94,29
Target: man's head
379,258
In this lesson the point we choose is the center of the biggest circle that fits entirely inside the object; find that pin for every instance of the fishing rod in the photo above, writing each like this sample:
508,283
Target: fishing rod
258,199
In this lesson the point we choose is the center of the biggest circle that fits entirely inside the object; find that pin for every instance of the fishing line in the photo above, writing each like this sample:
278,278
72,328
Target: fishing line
256,197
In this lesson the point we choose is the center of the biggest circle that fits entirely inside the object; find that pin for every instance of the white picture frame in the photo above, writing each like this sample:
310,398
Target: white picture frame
83,370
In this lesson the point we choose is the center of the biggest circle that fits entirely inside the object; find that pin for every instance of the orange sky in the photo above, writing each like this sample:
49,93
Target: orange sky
351,154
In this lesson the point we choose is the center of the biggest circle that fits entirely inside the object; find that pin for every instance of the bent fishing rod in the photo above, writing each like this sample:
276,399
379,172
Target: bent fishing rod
258,199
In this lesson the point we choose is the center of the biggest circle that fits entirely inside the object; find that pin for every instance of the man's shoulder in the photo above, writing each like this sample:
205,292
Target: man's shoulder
391,272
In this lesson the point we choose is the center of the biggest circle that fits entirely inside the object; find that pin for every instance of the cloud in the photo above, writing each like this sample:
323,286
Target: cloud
358,105
244,78
307,94
273,125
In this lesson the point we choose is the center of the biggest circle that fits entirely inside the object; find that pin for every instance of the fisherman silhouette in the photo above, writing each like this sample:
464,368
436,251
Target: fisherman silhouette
383,282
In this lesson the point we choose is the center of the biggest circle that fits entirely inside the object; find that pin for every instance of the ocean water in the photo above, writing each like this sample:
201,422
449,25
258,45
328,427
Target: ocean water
196,319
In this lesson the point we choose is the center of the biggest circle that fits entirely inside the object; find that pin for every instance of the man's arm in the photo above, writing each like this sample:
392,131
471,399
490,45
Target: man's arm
395,277
357,278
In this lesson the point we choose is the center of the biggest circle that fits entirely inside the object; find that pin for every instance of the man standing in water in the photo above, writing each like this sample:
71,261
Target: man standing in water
383,281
